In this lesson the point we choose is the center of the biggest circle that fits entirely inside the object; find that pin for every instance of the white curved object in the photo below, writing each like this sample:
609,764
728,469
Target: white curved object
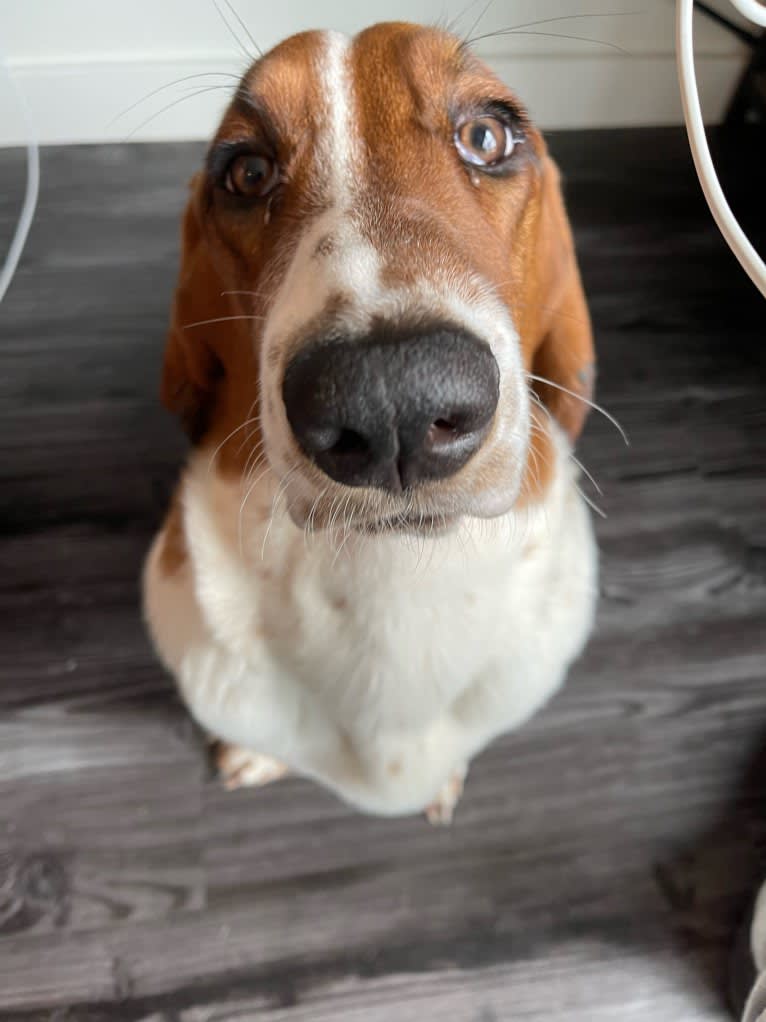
753,10
30,197
735,237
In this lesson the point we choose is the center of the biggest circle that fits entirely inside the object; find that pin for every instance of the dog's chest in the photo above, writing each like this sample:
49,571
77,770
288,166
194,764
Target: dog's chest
386,633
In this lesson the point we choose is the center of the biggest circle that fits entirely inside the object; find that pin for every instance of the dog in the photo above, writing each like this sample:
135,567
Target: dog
377,559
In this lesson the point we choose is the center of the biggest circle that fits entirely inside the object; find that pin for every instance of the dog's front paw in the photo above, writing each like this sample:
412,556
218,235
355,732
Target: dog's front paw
241,768
442,809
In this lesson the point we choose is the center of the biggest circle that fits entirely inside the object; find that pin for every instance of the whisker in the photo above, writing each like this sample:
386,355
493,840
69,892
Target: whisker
346,533
281,490
535,455
450,24
169,85
478,21
231,32
245,499
260,460
247,32
254,456
550,21
219,319
309,526
590,404
591,504
538,402
169,106
255,422
557,35
255,461
257,452
537,429
335,512
587,475
214,455
257,448
334,509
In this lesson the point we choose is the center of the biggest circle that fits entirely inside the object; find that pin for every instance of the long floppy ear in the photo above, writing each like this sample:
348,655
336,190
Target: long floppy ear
191,367
561,337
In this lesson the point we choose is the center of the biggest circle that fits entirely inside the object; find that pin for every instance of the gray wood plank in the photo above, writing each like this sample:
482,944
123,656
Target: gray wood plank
602,856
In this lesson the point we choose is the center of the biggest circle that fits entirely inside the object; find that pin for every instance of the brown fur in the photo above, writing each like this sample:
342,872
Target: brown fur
173,555
416,200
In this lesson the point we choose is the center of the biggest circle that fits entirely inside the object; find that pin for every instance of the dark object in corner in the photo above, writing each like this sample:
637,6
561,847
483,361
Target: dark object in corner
748,104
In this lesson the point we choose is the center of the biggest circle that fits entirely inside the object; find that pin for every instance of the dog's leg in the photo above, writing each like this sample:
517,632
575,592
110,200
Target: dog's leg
442,809
241,768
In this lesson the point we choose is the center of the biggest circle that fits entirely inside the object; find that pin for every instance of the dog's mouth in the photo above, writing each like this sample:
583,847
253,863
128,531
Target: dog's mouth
334,516
415,525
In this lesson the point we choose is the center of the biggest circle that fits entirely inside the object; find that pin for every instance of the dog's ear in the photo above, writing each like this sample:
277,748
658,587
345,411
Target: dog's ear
192,364
559,331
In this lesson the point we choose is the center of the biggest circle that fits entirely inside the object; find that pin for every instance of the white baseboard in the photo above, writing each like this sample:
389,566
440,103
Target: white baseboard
72,103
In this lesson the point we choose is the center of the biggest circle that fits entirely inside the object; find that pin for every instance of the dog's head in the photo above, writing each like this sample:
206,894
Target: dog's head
376,263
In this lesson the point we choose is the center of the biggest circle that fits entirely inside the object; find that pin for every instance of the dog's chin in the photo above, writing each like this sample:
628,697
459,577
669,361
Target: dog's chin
406,523
422,515
429,521
422,512
426,525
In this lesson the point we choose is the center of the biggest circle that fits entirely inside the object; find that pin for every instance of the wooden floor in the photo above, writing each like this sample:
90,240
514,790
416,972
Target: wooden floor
601,857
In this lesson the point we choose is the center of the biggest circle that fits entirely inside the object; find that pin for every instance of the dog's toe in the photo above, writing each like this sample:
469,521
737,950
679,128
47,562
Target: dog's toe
442,809
241,768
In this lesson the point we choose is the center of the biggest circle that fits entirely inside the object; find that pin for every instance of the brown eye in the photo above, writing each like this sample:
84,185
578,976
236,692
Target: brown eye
252,176
484,141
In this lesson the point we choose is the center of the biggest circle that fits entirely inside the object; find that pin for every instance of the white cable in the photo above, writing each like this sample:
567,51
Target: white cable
752,10
719,207
30,197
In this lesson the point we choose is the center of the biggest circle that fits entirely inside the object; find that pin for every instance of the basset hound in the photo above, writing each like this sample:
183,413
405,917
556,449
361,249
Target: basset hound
377,559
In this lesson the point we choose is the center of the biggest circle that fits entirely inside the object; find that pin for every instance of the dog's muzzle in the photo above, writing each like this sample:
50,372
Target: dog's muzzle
392,409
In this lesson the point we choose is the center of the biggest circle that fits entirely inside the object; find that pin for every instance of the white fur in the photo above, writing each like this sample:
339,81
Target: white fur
338,144
382,669
377,664
353,270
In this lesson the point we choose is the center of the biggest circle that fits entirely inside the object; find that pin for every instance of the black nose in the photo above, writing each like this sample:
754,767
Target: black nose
392,410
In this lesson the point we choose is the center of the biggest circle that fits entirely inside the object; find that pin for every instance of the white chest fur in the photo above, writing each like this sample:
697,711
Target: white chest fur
379,667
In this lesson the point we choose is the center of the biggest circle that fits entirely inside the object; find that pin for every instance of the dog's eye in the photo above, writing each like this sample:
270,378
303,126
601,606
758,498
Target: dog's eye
251,175
484,141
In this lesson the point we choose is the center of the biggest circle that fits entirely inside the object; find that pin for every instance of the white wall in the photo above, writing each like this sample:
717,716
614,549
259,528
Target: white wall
81,63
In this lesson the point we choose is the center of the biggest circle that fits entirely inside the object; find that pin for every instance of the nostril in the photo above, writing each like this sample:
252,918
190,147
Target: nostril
334,440
349,442
441,432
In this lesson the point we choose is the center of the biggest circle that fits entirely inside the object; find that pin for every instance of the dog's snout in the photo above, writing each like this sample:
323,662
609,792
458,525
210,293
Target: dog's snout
392,411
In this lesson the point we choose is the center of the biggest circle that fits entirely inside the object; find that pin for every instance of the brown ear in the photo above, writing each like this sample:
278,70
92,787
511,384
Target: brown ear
560,334
191,367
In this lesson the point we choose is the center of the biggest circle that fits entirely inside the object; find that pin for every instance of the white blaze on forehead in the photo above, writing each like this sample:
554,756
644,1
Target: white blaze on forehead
352,266
341,138
354,269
